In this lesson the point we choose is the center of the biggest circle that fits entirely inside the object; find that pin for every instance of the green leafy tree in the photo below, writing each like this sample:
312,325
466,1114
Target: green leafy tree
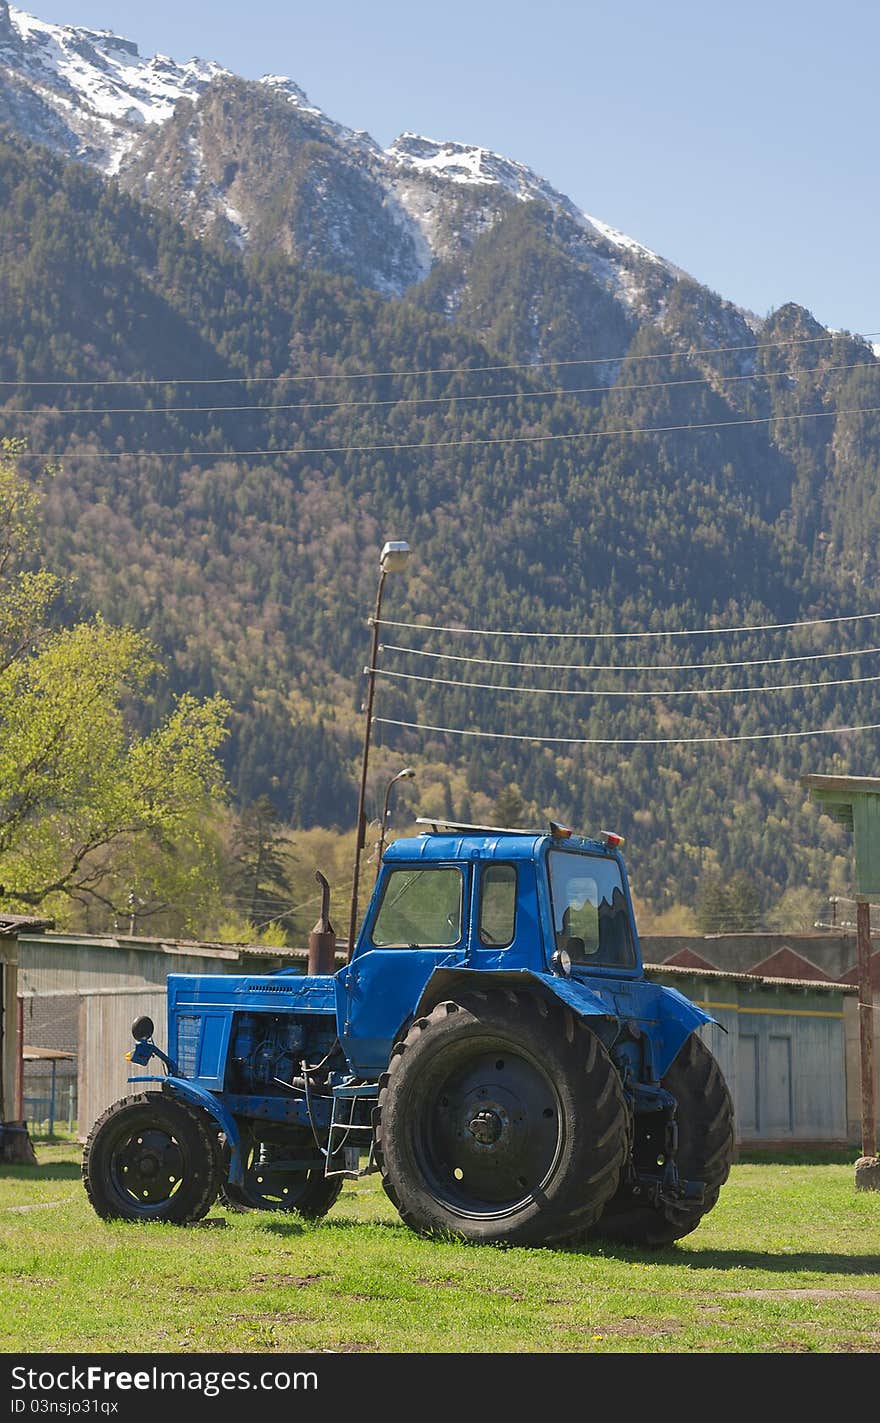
78,786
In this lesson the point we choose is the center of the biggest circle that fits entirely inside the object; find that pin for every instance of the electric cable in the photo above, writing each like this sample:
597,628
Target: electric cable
294,909
52,411
606,692
471,441
622,666
625,741
445,370
666,632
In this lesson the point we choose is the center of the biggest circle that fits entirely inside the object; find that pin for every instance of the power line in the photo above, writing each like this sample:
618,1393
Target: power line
443,370
475,441
436,399
288,912
614,741
606,692
676,632
620,666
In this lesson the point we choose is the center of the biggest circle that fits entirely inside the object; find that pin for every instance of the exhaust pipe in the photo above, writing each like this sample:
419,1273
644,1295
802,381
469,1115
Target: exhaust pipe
322,939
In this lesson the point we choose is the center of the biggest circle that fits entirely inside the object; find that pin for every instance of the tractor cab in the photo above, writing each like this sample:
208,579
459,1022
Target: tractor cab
493,898
459,905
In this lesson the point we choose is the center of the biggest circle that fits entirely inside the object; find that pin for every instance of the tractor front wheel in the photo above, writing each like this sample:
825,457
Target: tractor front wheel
500,1119
152,1157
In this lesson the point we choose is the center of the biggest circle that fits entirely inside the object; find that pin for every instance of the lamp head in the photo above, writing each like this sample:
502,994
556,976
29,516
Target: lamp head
393,556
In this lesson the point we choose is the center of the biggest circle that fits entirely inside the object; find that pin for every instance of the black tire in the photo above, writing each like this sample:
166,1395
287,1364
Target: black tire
310,1193
705,1153
500,1119
152,1157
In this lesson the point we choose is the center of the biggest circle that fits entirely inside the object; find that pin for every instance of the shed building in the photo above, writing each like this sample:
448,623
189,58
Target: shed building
788,1047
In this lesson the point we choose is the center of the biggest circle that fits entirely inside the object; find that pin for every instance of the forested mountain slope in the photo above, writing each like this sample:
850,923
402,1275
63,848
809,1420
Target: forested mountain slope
239,522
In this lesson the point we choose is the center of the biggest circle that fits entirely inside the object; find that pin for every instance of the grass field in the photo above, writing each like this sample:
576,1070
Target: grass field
789,1261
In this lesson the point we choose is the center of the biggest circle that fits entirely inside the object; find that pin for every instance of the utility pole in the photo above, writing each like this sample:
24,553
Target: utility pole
392,559
854,801
866,1027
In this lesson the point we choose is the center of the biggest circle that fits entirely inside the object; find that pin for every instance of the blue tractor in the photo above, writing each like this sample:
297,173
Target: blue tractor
492,1047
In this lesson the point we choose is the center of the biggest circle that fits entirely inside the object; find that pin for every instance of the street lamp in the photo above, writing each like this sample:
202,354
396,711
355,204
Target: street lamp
405,775
391,560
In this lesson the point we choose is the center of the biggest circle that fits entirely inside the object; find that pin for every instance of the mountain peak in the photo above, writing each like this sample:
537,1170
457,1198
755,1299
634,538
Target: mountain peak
92,89
91,95
468,163
289,87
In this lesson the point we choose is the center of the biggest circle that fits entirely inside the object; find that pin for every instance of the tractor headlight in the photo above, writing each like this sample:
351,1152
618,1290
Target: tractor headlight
561,963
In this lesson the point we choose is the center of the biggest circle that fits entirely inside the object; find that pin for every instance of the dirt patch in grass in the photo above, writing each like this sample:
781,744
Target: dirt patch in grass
872,1296
298,1282
36,1206
651,1329
628,1327
278,1317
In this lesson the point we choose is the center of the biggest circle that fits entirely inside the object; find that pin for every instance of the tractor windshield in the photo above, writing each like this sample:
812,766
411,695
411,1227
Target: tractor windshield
420,909
590,914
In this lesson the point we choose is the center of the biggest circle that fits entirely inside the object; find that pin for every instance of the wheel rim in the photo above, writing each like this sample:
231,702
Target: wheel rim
272,1182
491,1129
147,1166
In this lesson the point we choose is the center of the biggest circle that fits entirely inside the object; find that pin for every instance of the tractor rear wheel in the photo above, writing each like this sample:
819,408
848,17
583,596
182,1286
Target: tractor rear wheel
152,1157
705,1153
276,1184
500,1119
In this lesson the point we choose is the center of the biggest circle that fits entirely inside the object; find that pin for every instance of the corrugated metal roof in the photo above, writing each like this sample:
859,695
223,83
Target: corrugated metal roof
195,947
13,924
823,985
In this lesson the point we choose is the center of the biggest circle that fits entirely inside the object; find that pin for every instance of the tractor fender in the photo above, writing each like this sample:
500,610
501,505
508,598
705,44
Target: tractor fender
662,1018
672,1020
449,982
180,1087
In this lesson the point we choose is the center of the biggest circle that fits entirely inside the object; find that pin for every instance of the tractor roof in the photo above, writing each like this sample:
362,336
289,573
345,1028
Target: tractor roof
449,840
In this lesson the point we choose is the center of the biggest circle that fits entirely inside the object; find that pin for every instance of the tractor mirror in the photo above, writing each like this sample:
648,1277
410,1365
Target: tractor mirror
141,1029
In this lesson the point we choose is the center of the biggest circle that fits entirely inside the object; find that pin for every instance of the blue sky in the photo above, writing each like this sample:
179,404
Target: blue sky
738,141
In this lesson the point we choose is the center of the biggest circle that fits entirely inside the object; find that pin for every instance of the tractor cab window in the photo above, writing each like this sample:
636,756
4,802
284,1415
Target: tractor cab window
497,905
590,915
420,909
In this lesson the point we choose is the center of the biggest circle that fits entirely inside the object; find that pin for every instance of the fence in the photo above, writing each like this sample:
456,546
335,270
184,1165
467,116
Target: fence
46,1113
105,1018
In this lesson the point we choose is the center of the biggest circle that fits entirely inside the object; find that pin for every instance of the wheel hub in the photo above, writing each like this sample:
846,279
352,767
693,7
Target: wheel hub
486,1126
491,1131
149,1166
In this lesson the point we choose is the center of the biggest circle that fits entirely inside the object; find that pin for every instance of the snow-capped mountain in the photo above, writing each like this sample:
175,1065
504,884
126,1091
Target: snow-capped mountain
86,92
259,166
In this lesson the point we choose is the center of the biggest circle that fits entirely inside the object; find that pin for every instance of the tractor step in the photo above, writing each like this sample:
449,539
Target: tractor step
348,1096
